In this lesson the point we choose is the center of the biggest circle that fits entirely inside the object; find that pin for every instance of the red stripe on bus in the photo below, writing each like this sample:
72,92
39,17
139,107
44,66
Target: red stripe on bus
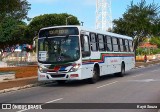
56,68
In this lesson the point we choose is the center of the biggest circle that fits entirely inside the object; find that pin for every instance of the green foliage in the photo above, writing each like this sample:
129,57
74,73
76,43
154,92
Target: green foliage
155,41
48,20
156,51
139,21
143,51
11,32
139,51
16,9
12,29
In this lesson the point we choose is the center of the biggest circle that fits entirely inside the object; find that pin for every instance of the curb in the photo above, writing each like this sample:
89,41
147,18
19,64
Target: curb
139,67
19,79
142,66
23,87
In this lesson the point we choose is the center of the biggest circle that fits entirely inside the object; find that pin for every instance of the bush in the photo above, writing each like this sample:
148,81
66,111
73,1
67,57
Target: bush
143,51
156,51
140,51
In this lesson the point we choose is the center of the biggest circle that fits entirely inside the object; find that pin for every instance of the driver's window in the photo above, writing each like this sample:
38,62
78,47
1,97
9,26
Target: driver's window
85,46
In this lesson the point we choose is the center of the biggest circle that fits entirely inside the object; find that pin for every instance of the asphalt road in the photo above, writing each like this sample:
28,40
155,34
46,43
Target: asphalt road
138,86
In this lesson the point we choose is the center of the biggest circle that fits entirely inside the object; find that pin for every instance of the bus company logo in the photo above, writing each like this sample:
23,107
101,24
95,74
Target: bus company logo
60,58
113,61
6,106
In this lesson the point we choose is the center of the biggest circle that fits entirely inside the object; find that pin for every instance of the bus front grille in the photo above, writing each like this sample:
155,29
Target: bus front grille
57,75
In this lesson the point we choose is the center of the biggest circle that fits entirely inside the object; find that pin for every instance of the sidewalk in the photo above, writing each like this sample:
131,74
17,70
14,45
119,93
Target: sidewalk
22,83
139,64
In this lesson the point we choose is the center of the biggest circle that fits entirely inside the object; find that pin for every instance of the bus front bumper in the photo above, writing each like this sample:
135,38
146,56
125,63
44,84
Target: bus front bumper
58,76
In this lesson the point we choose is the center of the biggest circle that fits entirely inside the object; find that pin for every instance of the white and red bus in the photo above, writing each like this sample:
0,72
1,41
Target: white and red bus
77,53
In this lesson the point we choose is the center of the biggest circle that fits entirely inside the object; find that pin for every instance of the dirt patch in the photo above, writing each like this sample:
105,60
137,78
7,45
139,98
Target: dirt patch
21,72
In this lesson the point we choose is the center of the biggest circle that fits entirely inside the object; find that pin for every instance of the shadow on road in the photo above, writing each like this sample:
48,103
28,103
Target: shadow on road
78,83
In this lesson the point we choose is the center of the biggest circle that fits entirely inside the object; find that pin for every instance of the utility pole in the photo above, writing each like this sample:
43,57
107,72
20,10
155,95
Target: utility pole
82,23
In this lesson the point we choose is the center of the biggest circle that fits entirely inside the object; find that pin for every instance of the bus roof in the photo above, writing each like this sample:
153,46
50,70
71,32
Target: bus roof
93,30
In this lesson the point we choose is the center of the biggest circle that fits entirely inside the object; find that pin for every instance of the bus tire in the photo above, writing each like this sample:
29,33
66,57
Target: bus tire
95,76
61,81
122,73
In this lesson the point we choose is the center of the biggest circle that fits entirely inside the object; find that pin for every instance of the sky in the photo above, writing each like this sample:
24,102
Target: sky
84,10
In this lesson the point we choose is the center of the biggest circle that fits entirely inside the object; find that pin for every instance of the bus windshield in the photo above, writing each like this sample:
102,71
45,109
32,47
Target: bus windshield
58,49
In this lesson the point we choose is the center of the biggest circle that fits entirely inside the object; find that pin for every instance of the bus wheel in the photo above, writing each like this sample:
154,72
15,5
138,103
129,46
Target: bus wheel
61,81
95,76
122,73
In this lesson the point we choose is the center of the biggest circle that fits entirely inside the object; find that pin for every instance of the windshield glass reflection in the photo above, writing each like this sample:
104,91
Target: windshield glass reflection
58,49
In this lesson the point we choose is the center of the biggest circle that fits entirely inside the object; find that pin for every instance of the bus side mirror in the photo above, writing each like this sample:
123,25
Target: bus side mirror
34,44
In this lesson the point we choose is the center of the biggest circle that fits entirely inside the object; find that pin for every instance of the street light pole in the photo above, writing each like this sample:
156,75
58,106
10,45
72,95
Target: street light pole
82,23
67,19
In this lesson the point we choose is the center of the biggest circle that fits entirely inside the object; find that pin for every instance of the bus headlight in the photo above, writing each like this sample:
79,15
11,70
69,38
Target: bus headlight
75,67
42,69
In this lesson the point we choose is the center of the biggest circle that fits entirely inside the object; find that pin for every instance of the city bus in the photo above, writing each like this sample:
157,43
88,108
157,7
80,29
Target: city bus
76,53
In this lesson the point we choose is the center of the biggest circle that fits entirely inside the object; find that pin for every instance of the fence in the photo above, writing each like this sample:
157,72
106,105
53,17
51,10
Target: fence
22,58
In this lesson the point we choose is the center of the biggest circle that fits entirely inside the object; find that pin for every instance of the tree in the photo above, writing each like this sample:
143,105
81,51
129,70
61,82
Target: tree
156,28
139,21
12,29
18,9
155,41
12,32
48,20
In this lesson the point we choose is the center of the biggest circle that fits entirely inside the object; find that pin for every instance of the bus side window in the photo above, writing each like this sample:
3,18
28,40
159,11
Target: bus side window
131,46
127,46
121,45
101,42
85,46
93,42
115,44
124,47
109,43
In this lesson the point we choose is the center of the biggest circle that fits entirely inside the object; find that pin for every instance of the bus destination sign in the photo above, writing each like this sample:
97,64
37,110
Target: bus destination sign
63,31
